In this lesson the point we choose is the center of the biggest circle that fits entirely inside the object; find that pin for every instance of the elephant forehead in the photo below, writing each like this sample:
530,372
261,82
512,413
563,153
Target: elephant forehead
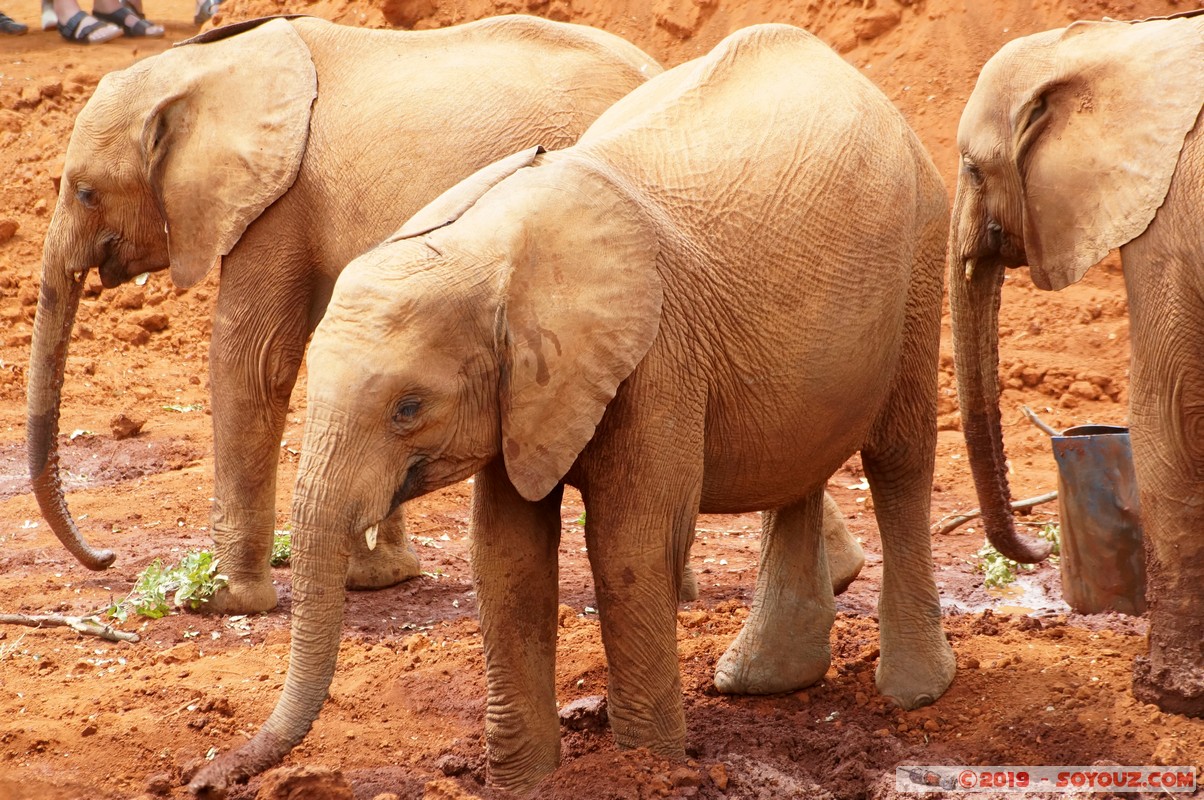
114,112
1007,82
414,313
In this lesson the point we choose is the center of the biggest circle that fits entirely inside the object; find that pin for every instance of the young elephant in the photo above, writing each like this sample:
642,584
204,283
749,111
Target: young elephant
661,316
282,150
1075,142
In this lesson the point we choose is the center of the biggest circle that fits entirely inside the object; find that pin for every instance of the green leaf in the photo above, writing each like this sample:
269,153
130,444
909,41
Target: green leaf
282,548
194,582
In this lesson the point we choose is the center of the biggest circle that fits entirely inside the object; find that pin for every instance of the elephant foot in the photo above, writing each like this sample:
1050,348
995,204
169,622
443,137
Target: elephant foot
689,586
387,565
844,566
242,596
1176,689
844,554
751,667
663,732
521,768
918,676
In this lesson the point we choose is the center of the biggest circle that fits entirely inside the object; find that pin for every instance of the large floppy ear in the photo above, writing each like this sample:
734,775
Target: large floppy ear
1099,144
226,139
582,308
451,205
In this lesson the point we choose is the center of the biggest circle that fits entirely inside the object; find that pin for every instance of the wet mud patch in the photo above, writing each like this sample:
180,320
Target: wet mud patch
90,461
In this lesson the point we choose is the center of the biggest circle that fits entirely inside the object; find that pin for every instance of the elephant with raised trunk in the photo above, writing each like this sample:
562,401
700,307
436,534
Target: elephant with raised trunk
1075,142
661,317
281,150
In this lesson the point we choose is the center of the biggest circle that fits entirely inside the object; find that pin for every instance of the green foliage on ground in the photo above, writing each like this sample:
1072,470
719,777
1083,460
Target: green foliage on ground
192,583
282,547
999,571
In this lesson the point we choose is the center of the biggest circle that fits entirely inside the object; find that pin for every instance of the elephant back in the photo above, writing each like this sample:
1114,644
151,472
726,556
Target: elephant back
771,131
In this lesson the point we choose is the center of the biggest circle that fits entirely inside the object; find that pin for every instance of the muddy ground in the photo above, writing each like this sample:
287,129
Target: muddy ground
82,718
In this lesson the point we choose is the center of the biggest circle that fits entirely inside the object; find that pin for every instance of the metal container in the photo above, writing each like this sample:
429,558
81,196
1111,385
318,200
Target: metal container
1103,560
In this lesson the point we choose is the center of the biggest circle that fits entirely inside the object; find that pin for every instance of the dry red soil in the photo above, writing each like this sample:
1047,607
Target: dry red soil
82,718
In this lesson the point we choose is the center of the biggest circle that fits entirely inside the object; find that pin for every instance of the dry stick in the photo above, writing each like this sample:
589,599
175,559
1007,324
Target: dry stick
89,626
1040,423
962,519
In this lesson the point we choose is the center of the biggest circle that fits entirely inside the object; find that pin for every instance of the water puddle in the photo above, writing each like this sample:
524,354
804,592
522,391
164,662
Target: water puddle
1037,594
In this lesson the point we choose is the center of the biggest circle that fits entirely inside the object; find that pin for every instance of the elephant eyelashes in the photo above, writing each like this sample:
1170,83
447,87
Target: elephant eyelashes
86,197
405,411
971,169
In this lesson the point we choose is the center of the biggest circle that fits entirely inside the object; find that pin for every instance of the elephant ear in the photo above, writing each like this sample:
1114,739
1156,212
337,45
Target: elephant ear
451,205
582,309
226,139
1099,161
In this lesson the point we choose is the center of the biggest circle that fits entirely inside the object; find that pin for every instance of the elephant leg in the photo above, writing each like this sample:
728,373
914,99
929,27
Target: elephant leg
637,543
784,644
513,550
1167,411
916,664
259,333
845,556
392,561
689,585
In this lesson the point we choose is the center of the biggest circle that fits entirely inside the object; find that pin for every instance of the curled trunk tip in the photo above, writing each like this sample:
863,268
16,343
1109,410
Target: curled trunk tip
215,780
320,556
58,301
1020,549
975,289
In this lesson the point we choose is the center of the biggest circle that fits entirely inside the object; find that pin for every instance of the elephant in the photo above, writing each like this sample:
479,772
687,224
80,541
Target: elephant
282,149
1075,142
661,317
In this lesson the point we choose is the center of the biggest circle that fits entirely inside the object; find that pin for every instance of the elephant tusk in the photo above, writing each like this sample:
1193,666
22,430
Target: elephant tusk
969,269
370,536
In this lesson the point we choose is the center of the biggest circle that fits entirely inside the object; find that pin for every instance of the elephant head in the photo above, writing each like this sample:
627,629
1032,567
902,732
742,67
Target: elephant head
169,162
481,330
1068,146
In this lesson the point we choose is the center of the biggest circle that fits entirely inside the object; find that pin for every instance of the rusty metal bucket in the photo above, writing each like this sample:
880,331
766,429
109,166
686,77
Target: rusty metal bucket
1103,560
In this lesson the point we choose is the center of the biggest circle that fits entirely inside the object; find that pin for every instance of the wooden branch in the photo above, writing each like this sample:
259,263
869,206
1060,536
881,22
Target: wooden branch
951,523
1040,423
89,626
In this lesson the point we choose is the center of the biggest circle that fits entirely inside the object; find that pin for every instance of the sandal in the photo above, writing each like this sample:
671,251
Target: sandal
205,10
130,22
84,29
10,25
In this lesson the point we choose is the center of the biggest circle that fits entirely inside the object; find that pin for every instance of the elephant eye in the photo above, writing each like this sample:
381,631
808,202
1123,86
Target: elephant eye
971,169
86,197
406,410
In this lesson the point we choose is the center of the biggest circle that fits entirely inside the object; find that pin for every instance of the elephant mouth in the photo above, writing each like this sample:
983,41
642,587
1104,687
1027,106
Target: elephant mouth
411,484
112,272
1002,247
410,487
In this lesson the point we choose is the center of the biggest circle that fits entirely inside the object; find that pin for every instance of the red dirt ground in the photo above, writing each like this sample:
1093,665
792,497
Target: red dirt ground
82,718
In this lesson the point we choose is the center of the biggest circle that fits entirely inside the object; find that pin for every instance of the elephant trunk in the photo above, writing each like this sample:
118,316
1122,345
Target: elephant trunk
321,549
975,290
58,302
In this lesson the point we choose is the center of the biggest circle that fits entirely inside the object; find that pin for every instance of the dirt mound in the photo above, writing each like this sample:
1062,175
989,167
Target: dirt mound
925,54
